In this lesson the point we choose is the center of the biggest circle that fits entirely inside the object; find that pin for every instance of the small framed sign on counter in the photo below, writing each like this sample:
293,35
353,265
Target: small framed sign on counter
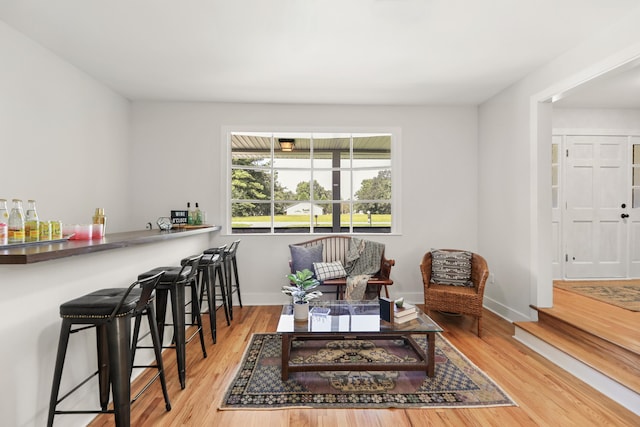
179,217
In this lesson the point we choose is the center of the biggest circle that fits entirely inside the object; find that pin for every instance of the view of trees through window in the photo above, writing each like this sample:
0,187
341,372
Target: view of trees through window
310,182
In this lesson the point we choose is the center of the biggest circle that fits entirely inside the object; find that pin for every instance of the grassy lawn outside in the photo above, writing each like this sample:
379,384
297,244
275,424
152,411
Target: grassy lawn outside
359,220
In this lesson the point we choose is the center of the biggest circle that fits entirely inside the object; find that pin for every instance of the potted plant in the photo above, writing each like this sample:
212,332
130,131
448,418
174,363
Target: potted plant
301,290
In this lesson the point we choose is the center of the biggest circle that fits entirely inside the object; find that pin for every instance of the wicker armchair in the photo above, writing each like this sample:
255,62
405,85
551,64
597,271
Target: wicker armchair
456,299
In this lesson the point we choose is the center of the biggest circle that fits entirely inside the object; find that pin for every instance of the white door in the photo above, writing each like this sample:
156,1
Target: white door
633,221
596,190
557,254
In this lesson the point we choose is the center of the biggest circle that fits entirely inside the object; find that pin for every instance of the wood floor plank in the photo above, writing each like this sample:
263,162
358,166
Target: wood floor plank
545,394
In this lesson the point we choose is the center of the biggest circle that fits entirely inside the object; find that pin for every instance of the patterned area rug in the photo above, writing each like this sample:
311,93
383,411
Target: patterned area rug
457,382
619,293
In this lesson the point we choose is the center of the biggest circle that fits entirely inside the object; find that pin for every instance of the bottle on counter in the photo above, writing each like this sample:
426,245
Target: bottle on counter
4,231
16,223
45,230
4,212
101,220
197,215
56,229
189,214
4,221
31,223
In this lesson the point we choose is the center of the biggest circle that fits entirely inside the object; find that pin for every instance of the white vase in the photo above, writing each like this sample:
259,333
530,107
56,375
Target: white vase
301,310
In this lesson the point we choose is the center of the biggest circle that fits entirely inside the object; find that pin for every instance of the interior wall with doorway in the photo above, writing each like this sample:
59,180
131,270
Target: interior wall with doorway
583,247
514,170
613,119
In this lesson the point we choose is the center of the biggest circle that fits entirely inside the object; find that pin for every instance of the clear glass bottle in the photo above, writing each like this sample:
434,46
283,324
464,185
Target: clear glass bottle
31,223
197,215
189,214
100,219
16,222
4,211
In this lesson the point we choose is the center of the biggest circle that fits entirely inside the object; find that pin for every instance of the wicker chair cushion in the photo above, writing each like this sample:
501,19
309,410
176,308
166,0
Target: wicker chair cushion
329,270
302,257
451,268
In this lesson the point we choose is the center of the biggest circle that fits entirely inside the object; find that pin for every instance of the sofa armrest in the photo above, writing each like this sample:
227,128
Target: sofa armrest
385,267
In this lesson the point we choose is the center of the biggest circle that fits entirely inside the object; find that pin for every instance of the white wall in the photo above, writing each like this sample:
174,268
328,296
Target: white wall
63,136
64,141
514,185
177,150
596,119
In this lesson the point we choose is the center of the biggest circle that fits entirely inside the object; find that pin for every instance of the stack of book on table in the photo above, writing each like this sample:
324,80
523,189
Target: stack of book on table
405,313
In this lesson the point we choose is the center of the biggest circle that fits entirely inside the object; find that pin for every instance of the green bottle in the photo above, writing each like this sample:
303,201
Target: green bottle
197,215
189,214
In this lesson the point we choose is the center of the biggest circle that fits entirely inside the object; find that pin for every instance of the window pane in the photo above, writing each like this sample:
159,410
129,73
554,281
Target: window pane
345,185
554,197
636,176
250,184
554,175
250,149
554,153
345,215
296,215
372,215
300,154
372,184
291,182
251,215
372,150
323,217
636,198
636,154
322,185
328,151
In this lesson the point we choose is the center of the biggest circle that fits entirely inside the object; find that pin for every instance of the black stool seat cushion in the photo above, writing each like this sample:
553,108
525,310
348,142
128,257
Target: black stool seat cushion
208,259
100,304
170,274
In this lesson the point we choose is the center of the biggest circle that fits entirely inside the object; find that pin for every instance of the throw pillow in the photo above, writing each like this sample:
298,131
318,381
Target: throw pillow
329,270
451,268
302,257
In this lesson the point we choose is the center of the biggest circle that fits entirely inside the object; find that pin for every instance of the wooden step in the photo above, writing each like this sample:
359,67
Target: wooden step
599,335
611,323
617,363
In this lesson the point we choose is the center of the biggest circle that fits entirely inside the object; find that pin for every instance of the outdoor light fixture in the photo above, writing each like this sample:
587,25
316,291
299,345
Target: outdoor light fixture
287,144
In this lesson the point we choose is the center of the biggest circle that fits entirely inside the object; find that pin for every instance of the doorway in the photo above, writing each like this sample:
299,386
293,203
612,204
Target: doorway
598,205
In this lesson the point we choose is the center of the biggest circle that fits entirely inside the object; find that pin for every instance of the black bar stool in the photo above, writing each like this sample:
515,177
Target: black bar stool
230,265
210,276
110,311
173,284
222,282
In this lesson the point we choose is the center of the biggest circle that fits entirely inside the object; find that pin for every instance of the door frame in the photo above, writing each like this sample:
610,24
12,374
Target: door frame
559,214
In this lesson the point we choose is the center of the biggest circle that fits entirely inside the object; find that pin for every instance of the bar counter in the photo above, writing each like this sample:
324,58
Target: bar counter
43,251
36,279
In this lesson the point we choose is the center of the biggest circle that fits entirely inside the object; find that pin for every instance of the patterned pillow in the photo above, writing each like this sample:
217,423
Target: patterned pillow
329,270
451,268
302,257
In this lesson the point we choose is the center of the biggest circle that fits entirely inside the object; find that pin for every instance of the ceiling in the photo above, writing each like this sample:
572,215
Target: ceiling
408,52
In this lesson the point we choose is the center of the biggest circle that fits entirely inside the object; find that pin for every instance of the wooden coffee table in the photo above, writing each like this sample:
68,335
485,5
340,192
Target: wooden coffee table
355,320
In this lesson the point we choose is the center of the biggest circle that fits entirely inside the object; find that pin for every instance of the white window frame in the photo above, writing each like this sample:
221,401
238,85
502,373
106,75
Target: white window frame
396,185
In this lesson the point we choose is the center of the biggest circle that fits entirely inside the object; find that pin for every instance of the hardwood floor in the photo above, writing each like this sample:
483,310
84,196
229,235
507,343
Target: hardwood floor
546,395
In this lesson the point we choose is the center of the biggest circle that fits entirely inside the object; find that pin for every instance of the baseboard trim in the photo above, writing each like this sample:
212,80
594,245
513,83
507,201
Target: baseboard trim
605,385
503,311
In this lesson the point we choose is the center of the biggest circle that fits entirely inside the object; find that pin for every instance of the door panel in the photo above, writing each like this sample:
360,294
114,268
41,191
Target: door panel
633,209
596,188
